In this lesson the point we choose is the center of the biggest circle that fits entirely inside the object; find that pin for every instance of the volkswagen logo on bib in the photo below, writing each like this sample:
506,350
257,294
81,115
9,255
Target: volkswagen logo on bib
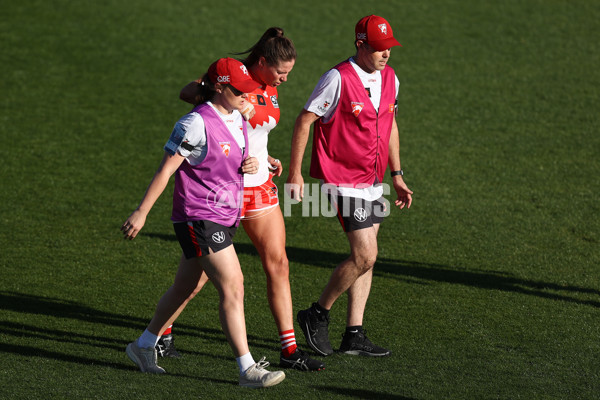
360,214
218,237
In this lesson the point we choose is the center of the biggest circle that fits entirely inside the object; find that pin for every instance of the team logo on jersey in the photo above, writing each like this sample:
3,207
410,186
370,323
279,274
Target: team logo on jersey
257,99
226,147
392,108
323,108
218,237
357,108
383,28
360,214
274,101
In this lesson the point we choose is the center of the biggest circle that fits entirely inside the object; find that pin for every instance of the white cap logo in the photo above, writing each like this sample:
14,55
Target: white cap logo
383,28
244,70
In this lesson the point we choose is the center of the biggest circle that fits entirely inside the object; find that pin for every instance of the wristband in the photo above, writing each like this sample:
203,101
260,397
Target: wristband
399,172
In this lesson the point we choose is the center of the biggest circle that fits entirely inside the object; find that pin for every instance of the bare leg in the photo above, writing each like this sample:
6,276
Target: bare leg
187,283
266,229
363,253
358,293
223,269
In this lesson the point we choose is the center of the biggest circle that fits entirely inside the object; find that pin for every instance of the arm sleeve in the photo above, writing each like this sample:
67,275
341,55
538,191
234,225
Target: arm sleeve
326,95
188,136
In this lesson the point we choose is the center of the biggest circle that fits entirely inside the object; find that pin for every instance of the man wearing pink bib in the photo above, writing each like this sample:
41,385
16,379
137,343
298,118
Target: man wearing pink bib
355,138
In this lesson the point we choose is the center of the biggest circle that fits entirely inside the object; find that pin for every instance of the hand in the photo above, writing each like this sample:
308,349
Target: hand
403,192
295,186
248,111
250,165
275,165
133,225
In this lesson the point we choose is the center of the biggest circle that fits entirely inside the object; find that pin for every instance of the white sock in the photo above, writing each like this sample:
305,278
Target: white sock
245,362
147,340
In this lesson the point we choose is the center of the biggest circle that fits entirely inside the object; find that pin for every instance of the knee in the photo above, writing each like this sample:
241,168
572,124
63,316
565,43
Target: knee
365,260
233,290
277,267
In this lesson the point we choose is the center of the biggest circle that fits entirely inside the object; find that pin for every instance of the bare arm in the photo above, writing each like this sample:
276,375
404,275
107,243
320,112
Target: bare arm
190,93
137,219
295,181
403,192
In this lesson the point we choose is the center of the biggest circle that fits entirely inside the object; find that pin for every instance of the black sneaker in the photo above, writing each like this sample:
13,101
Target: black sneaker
358,344
166,348
301,361
314,326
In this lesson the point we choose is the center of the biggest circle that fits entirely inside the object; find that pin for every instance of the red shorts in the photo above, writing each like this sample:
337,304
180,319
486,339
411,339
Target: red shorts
260,197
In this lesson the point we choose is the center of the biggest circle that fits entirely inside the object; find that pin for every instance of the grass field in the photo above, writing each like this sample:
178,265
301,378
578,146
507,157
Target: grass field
487,288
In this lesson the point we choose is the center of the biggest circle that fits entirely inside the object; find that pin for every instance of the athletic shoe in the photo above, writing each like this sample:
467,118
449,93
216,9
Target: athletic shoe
145,359
257,376
166,347
358,344
301,361
315,328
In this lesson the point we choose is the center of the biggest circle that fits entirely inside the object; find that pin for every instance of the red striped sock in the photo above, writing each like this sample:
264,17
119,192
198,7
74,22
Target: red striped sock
167,331
288,342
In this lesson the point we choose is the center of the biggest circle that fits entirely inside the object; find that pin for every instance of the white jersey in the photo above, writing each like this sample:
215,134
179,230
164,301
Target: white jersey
324,100
188,137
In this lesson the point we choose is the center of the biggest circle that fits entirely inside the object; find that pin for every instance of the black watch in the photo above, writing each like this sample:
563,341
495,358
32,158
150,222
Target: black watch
399,172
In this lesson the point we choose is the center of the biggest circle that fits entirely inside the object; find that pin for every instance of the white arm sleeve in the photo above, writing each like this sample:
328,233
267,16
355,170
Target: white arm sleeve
326,95
188,138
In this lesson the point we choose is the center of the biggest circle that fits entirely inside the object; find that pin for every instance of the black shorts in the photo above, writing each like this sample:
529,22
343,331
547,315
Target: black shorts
197,237
355,213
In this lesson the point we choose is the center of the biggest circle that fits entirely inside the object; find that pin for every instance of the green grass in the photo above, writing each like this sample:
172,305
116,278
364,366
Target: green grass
488,287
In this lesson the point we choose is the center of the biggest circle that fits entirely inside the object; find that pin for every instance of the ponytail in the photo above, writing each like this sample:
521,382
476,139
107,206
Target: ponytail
273,46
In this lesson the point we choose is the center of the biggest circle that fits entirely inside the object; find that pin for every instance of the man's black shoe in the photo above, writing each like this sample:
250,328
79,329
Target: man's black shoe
166,347
300,361
358,344
314,325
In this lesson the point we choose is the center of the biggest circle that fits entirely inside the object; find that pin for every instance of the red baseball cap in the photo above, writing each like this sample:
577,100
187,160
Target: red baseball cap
377,32
230,71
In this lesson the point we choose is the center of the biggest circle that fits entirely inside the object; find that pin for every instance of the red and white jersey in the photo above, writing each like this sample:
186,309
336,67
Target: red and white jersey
264,100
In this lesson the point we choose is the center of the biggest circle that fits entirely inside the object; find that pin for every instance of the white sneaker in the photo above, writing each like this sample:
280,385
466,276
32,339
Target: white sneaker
257,376
145,359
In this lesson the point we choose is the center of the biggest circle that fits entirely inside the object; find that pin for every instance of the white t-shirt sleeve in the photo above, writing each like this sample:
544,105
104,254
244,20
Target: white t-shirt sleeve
326,95
188,137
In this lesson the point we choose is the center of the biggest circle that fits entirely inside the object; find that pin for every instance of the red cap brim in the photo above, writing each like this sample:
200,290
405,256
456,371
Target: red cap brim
246,86
381,45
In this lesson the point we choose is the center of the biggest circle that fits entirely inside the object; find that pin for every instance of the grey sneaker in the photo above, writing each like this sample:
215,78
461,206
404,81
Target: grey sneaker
315,327
257,376
145,359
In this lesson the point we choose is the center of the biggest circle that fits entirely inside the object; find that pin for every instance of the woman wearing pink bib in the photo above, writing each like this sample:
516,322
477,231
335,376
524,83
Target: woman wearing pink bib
208,153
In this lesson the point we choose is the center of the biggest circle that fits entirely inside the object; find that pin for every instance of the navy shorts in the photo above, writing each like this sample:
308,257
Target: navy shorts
355,213
197,237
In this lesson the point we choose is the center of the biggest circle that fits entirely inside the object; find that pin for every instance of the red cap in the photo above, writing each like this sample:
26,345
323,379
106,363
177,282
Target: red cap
377,32
230,71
